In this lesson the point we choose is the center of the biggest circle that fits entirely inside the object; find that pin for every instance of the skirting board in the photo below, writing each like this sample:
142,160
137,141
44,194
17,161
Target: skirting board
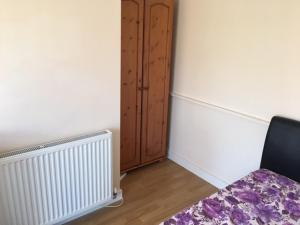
84,212
195,169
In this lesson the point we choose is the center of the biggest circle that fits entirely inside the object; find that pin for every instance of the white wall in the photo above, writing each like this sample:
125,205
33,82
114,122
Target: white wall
59,70
236,65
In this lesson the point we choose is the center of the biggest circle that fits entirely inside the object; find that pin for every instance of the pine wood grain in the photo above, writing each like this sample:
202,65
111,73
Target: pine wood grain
151,195
132,14
146,40
158,32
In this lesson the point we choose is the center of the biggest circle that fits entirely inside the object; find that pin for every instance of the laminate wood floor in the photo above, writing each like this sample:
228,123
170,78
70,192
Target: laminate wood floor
151,195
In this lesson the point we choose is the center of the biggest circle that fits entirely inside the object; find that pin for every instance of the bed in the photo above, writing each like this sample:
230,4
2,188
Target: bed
269,195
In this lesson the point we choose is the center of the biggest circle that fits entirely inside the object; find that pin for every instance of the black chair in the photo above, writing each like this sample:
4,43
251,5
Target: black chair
281,152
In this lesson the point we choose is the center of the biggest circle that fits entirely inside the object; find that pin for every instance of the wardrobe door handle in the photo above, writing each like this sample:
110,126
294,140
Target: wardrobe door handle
143,88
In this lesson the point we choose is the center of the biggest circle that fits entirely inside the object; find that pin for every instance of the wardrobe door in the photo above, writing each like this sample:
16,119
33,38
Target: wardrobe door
131,81
156,77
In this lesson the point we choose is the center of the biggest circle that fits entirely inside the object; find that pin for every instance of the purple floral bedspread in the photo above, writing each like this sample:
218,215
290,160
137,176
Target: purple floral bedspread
262,197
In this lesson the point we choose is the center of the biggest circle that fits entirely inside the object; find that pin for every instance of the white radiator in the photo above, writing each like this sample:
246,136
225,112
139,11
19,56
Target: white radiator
56,182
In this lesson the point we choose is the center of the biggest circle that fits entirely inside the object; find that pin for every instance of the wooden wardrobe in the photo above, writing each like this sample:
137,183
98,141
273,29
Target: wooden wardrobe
145,79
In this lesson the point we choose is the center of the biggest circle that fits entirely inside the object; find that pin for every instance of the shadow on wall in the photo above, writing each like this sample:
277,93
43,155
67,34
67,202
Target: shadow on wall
173,60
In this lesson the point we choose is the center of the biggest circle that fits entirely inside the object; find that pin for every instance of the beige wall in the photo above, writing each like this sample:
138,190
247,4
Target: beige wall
240,54
59,70
236,60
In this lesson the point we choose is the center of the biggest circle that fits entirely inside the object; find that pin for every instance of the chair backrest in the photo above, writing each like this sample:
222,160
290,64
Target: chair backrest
281,152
